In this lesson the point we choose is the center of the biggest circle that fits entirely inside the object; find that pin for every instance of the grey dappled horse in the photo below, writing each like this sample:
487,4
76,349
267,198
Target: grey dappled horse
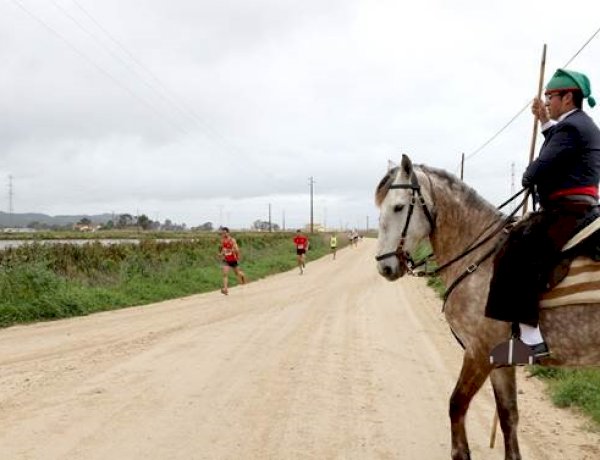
452,216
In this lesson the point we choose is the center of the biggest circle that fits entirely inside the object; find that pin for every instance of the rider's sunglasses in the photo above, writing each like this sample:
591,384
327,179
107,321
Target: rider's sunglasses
549,96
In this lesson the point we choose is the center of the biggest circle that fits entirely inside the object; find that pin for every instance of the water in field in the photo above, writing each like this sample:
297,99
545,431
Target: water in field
4,244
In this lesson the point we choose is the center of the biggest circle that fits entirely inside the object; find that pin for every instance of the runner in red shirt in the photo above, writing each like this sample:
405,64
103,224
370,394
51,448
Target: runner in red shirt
230,252
302,245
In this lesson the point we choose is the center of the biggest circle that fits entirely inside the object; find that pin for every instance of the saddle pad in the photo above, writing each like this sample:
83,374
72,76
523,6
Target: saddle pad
583,234
580,286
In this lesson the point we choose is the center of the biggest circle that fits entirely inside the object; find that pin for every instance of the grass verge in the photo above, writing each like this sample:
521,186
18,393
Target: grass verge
49,281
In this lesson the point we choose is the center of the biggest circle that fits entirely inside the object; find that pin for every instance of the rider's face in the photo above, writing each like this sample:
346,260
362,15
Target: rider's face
558,103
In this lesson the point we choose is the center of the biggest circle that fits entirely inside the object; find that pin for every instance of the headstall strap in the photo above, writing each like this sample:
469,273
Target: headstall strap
416,189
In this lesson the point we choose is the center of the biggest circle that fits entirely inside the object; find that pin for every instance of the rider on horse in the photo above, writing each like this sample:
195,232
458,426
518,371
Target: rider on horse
564,179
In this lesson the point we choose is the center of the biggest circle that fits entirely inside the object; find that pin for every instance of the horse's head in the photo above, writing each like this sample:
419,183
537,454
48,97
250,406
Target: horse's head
404,220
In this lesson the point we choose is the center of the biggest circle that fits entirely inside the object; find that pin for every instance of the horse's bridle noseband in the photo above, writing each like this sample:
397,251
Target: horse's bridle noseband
416,194
478,242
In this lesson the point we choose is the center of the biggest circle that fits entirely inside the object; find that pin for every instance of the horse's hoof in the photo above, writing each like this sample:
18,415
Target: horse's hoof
461,456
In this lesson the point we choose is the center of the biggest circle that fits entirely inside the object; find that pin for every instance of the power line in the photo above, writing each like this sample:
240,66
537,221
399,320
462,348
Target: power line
94,64
210,132
167,95
109,51
486,143
581,49
489,141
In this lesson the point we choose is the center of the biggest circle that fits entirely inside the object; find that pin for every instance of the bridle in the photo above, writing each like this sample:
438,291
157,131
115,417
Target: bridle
405,258
414,185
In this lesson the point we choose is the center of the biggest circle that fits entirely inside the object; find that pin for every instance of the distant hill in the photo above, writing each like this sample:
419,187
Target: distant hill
25,219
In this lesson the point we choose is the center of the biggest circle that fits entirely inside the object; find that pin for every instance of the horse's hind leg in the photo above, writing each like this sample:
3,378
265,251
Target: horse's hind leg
505,392
472,375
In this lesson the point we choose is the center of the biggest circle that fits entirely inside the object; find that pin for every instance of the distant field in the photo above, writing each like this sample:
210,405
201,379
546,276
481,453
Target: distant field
43,282
111,234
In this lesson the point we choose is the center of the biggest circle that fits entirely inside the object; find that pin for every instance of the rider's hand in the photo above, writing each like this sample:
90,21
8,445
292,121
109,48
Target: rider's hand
538,109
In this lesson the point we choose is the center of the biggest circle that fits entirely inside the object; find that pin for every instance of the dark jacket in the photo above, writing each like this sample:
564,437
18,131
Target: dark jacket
569,157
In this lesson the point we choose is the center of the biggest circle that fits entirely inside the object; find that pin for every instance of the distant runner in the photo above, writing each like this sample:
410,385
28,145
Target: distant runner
302,245
354,238
333,245
230,252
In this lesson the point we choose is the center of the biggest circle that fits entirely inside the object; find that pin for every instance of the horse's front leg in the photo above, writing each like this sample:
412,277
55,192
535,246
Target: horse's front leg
505,392
472,375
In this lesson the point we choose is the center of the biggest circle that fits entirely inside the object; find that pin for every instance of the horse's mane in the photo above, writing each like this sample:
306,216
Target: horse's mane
384,185
455,186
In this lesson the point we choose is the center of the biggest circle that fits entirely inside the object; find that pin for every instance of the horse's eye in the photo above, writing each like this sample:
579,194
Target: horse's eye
398,208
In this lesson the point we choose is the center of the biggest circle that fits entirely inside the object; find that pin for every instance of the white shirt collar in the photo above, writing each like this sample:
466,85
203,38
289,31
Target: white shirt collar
551,123
565,115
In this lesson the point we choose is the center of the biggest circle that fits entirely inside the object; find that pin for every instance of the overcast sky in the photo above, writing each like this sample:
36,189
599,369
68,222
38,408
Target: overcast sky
198,110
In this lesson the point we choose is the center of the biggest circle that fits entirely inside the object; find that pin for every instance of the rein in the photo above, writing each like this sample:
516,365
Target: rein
475,244
416,189
404,256
471,268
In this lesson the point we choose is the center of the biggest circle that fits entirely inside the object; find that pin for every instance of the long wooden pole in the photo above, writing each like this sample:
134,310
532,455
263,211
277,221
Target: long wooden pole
494,428
531,152
535,119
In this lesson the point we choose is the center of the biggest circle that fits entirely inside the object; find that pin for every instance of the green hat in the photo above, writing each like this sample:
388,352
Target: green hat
571,80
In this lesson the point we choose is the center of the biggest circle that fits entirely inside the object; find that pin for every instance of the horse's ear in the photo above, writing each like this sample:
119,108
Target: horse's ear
391,165
406,165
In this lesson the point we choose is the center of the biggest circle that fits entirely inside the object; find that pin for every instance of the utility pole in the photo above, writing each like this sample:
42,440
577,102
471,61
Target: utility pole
283,220
270,226
367,230
535,119
10,200
462,167
311,183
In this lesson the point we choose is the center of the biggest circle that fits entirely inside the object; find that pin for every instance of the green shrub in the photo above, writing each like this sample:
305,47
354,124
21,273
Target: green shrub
573,388
49,281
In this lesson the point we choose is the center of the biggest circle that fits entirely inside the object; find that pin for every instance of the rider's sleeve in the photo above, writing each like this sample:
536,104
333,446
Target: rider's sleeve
559,146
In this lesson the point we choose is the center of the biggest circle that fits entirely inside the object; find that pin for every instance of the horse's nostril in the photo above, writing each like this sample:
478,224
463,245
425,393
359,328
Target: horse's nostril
387,270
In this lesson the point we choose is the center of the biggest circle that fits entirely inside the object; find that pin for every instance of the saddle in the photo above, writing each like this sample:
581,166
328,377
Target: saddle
574,280
585,243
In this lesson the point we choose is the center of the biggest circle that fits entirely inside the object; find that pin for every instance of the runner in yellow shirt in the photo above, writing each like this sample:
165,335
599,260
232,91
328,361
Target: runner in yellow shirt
333,245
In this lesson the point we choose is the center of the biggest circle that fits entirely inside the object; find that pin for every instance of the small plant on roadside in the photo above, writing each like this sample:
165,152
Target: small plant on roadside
573,388
50,281
422,251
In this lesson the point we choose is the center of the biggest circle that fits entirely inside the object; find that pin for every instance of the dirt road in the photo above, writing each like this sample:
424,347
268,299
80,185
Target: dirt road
334,364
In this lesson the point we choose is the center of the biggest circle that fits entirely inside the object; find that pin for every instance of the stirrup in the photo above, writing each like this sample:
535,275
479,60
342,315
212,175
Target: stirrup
513,352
